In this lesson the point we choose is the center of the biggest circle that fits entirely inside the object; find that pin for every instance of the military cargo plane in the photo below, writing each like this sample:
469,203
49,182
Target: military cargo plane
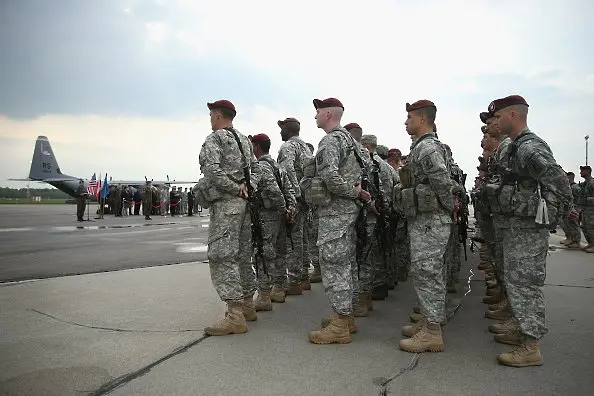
44,168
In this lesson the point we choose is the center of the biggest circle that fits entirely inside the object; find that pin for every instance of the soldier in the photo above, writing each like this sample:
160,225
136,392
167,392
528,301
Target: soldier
530,173
382,151
227,161
81,200
401,251
117,201
379,235
184,195
312,238
278,205
452,257
571,228
291,157
428,201
190,202
147,200
338,168
586,205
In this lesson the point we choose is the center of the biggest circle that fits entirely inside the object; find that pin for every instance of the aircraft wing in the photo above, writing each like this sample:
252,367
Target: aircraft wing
49,179
23,179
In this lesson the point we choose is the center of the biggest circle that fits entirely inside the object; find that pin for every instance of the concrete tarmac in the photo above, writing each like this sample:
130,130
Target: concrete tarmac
43,241
139,332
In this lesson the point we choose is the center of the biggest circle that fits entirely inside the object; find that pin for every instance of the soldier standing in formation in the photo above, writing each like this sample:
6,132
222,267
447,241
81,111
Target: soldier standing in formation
291,156
338,166
147,200
586,206
231,171
81,200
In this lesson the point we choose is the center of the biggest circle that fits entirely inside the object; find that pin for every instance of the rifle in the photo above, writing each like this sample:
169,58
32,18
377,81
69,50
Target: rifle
361,223
382,227
254,207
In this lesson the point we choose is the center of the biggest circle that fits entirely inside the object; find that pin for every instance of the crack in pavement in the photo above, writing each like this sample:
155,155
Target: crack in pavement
124,379
111,328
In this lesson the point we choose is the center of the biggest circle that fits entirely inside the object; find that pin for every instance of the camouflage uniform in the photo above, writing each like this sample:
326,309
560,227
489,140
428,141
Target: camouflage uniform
81,201
147,201
338,168
312,239
291,156
229,234
524,242
452,256
272,204
430,230
586,205
381,254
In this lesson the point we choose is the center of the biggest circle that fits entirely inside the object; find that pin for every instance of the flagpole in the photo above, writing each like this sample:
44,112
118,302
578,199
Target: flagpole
98,196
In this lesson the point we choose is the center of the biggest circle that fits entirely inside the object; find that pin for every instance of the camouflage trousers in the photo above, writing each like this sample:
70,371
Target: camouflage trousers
499,263
452,255
337,244
571,228
296,254
312,238
230,249
401,253
524,253
306,260
429,234
588,224
282,246
265,269
367,263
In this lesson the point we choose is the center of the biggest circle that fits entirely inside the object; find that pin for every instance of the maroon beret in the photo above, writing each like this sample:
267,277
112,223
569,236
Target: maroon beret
419,104
394,153
286,121
485,115
330,102
222,104
502,103
352,125
586,167
261,137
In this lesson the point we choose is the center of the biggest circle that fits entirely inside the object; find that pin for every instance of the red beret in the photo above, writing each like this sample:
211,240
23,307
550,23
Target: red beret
286,121
485,115
419,104
394,153
222,104
330,102
261,137
352,125
502,103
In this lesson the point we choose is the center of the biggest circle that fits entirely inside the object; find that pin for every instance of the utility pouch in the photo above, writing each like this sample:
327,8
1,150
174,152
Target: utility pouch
426,199
408,203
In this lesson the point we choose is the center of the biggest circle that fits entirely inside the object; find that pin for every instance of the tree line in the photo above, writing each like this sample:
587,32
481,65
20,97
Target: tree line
44,193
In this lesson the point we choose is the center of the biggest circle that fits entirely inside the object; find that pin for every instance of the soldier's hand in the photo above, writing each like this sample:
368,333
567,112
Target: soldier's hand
573,215
243,191
291,214
363,195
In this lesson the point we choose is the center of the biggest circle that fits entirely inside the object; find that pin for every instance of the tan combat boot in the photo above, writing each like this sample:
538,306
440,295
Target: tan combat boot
573,245
483,265
451,286
294,290
263,301
503,327
415,317
277,294
249,310
493,292
527,354
417,309
498,305
360,307
232,323
336,332
589,249
512,337
352,325
306,285
427,339
316,275
409,331
493,299
501,314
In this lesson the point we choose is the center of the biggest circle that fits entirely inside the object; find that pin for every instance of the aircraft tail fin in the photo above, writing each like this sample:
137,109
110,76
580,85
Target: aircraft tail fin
44,164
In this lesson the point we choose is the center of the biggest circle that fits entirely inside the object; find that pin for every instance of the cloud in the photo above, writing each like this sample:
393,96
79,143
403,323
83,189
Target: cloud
131,78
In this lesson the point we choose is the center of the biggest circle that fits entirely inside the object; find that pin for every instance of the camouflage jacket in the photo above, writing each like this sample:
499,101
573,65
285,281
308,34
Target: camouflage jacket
222,163
291,157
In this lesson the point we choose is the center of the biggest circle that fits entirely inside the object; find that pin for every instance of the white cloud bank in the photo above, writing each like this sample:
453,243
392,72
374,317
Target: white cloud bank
373,56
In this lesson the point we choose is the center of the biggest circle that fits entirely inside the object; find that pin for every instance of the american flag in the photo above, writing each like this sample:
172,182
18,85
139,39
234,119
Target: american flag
94,186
